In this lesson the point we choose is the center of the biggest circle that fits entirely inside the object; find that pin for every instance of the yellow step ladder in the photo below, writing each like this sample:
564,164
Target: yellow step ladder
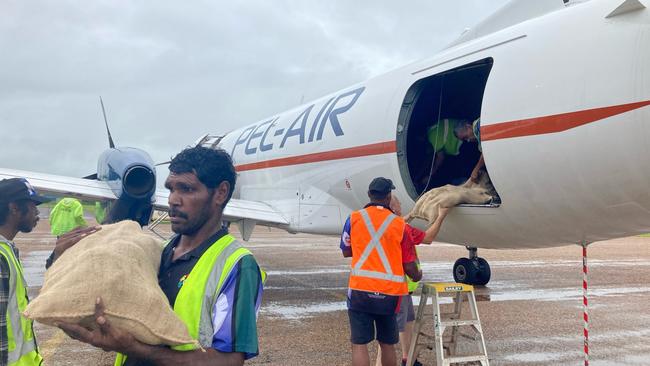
446,344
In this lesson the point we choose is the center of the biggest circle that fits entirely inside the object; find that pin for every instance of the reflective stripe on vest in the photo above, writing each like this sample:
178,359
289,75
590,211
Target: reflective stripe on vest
197,297
375,236
20,334
381,276
202,287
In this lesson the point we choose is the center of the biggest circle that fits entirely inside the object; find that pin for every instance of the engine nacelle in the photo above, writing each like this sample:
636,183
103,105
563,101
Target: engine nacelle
131,175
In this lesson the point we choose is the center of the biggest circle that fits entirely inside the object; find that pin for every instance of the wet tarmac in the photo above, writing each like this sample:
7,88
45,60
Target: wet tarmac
531,311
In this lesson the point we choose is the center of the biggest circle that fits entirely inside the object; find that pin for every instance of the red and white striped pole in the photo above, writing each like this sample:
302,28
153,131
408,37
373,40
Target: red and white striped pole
585,304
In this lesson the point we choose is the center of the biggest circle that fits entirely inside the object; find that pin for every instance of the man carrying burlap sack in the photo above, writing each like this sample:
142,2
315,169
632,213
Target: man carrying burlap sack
213,283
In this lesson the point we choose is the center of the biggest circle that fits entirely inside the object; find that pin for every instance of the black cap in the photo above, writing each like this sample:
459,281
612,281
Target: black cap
381,185
16,189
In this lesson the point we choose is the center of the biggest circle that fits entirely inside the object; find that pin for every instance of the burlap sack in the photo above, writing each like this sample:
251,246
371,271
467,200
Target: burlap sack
427,205
120,264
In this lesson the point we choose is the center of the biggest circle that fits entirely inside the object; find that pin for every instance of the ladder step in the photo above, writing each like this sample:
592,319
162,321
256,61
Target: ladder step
450,287
461,359
456,323
448,315
446,346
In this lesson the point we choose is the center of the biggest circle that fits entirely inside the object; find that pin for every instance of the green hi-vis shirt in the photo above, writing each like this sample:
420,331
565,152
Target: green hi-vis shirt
67,215
442,137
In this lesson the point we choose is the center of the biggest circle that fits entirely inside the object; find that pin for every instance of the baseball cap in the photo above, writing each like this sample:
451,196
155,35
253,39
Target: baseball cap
381,185
16,189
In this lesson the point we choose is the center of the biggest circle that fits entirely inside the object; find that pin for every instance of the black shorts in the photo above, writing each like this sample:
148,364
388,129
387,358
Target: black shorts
362,327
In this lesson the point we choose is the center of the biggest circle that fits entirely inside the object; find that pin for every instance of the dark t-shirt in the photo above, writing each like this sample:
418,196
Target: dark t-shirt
172,273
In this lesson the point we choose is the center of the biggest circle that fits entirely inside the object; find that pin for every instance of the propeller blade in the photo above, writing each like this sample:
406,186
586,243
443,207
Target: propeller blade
111,144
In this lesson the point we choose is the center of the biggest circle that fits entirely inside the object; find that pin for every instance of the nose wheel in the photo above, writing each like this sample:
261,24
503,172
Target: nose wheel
473,270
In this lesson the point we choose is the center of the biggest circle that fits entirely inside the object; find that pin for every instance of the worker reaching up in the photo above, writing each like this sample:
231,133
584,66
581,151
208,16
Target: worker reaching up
406,314
381,246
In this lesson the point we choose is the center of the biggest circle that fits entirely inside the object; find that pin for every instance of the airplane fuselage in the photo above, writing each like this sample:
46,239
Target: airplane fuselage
564,104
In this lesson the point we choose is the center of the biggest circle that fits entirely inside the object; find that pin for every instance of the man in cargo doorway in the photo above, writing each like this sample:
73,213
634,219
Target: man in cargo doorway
444,142
467,131
201,256
446,138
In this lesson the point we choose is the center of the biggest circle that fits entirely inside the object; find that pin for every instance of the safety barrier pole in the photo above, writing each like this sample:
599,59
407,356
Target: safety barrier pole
585,314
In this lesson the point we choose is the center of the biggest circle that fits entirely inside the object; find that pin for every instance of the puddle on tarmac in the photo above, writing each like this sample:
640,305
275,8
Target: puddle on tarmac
441,271
631,360
569,357
288,311
301,311
546,295
561,294
34,266
307,272
538,357
303,288
571,263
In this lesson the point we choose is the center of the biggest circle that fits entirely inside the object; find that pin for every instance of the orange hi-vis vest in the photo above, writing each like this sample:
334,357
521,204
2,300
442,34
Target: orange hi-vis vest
375,237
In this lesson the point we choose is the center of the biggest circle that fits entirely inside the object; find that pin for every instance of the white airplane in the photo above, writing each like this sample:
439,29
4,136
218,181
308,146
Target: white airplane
563,95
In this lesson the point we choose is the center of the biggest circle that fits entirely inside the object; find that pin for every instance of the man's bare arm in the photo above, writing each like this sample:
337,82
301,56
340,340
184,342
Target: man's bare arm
479,165
439,159
67,240
411,270
434,229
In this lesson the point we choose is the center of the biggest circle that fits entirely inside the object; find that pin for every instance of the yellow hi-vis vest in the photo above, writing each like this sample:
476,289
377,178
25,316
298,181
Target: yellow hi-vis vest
199,293
413,285
20,332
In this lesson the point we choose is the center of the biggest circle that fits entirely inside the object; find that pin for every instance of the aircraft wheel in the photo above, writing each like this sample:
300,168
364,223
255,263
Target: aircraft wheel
472,272
465,271
484,272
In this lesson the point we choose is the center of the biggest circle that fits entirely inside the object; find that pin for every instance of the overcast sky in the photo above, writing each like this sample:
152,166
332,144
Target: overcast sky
170,72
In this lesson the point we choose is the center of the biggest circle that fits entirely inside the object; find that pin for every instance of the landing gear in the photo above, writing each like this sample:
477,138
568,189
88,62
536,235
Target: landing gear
473,270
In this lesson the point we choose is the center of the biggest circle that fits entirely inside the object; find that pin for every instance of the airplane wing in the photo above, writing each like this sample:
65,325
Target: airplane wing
236,210
57,185
245,213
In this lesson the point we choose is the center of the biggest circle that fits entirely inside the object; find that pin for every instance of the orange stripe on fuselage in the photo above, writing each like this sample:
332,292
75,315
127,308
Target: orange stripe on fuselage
497,131
351,152
554,123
